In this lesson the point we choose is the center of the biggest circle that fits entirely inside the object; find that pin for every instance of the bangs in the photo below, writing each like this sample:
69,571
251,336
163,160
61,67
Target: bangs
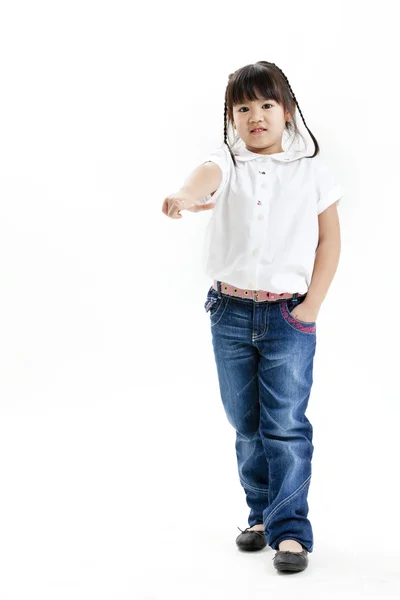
254,84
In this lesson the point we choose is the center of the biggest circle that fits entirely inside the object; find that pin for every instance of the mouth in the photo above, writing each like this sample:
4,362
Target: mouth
258,131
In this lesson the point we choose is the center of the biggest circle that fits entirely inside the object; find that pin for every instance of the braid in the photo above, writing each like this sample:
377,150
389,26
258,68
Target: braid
226,132
297,104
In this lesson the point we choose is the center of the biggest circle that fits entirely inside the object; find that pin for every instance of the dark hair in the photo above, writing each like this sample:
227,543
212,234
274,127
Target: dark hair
270,82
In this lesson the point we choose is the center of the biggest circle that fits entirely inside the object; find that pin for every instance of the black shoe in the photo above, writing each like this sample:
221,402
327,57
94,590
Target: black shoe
251,540
284,560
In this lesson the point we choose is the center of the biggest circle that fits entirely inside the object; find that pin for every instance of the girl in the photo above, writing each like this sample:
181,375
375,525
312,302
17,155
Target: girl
272,247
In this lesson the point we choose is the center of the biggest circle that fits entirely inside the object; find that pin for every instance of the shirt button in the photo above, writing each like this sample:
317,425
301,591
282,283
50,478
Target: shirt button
255,250
260,217
263,185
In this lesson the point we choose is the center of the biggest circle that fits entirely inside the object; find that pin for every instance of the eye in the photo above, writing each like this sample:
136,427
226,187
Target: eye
267,104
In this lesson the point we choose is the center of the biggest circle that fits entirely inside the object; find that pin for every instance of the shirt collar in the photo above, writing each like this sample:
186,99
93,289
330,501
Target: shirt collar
243,154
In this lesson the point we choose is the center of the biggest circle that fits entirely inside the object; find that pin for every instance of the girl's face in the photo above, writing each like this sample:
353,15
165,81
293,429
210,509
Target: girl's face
262,113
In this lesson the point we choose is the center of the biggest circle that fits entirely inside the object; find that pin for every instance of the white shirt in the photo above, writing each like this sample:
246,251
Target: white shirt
263,230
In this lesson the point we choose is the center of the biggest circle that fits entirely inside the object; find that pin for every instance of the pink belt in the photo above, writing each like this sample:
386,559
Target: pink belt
256,295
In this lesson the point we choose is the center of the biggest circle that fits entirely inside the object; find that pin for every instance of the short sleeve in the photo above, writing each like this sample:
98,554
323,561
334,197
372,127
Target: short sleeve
223,159
328,189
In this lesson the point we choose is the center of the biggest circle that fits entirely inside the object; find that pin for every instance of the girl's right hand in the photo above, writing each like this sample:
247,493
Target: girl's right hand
178,201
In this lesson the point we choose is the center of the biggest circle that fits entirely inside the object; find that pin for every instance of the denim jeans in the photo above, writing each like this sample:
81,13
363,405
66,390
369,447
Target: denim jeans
264,358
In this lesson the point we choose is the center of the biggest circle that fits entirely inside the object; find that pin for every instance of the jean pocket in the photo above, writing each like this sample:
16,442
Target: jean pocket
305,326
213,302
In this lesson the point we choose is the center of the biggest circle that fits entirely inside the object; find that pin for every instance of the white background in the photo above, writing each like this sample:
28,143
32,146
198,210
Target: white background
118,474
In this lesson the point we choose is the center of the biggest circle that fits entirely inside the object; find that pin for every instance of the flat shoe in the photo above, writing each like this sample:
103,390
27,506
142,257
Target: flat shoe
251,540
284,560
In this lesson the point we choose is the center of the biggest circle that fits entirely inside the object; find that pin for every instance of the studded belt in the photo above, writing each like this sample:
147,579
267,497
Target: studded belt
256,295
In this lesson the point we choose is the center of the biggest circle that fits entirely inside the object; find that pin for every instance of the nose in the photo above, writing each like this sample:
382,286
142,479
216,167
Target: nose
255,119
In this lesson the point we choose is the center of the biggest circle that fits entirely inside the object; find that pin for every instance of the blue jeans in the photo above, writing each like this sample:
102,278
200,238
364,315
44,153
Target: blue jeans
264,358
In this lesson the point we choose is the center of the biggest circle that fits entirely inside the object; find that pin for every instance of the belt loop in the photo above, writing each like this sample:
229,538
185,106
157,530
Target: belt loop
219,289
295,295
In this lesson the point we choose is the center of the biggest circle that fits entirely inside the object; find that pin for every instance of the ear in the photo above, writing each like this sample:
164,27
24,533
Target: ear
288,116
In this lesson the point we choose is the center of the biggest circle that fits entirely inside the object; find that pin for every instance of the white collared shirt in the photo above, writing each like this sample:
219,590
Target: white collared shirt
263,230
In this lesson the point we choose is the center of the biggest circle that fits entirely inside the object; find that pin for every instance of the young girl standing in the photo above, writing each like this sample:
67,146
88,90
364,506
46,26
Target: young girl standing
272,248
